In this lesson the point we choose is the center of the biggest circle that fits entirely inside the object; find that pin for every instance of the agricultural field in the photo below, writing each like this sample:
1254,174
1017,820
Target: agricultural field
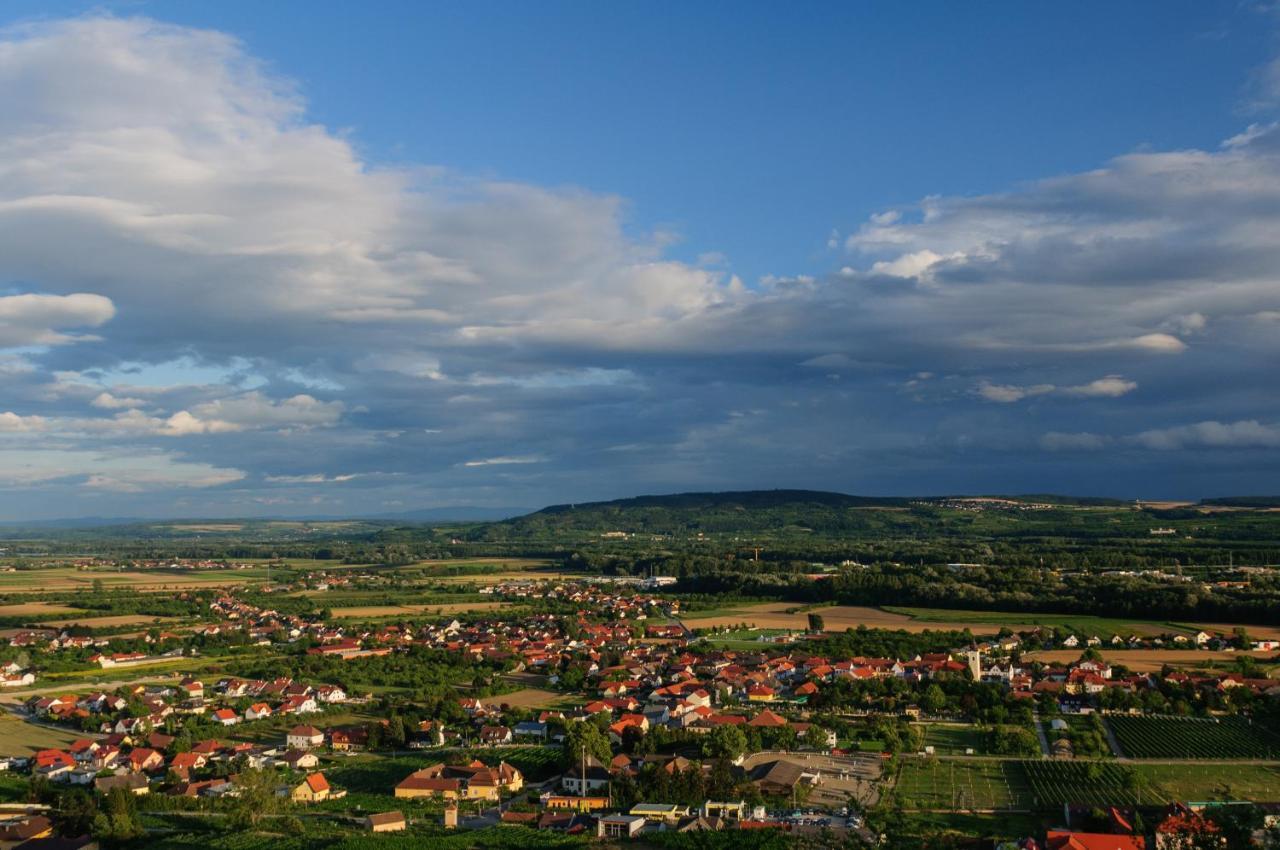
789,615
1103,627
1147,660
445,609
19,738
1193,737
1046,785
533,698
36,609
150,581
109,621
1257,782
926,783
952,739
1093,783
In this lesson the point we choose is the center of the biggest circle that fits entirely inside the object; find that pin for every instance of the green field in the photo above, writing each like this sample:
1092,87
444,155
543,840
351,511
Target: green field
1193,737
19,738
952,739
1103,627
1044,785
958,785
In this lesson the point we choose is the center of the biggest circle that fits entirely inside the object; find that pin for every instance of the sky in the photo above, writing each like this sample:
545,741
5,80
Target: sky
299,259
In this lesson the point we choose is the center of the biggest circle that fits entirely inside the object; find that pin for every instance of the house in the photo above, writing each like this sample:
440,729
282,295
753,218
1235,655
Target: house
530,729
429,783
313,789
348,738
300,759
145,759
668,813
1064,840
134,783
257,711
304,738
226,716
22,829
494,735
474,781
779,777
619,826
385,822
585,777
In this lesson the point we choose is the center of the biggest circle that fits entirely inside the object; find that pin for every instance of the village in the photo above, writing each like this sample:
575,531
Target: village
628,720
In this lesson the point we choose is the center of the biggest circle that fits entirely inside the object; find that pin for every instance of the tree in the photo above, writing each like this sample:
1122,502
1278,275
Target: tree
118,820
585,736
725,742
933,700
257,798
816,623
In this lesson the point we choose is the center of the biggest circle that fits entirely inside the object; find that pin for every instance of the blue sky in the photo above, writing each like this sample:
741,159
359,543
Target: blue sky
325,261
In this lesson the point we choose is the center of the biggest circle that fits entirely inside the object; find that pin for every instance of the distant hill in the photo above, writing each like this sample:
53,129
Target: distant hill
459,513
1243,502
797,511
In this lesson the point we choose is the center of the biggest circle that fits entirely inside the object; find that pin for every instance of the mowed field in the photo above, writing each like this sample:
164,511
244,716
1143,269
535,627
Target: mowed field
531,698
1146,660
70,578
35,609
108,621
775,615
19,738
370,611
1255,632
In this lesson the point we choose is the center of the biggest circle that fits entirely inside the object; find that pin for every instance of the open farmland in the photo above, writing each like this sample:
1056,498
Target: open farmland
1257,782
1146,660
108,621
446,609
19,738
35,609
1082,624
531,698
1193,737
789,615
70,578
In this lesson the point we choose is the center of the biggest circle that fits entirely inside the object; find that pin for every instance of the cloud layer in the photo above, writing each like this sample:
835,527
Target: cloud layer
203,290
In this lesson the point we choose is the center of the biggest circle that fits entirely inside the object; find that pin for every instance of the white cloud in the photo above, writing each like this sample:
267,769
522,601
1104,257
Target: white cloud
1246,433
107,401
1112,386
37,319
1007,393
113,470
505,460
313,478
13,423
